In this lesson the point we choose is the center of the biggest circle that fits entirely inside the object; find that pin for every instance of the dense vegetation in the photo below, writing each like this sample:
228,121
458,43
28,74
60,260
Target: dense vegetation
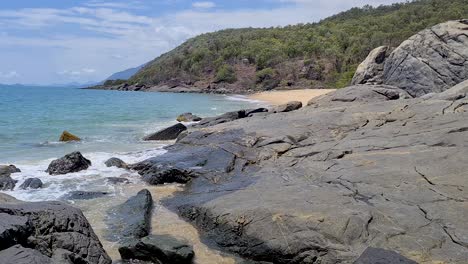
323,54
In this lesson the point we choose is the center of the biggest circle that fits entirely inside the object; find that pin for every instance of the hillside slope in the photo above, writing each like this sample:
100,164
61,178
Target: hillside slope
318,55
125,74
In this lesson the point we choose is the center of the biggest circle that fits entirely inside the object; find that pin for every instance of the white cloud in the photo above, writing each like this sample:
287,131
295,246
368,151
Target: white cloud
9,75
83,71
205,4
117,5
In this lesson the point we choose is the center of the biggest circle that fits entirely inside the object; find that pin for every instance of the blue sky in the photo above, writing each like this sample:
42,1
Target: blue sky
62,41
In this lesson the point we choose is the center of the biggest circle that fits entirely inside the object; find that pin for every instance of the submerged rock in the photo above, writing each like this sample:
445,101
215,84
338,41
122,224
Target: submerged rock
291,106
188,117
116,162
131,219
169,133
82,195
161,249
67,137
117,180
73,162
31,183
37,232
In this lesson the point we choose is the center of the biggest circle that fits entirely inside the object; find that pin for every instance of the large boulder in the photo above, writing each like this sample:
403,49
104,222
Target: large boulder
169,133
73,162
224,118
6,170
67,137
433,60
31,183
370,71
7,183
38,232
188,117
161,174
131,219
161,249
116,162
288,107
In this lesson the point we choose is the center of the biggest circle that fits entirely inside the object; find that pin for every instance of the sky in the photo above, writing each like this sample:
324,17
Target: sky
64,41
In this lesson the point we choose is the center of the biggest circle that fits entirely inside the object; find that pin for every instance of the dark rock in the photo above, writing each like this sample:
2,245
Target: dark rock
131,219
370,71
31,183
382,256
188,117
72,162
291,106
43,229
67,137
6,170
251,112
224,118
82,195
169,133
116,162
160,174
20,255
7,183
158,249
117,180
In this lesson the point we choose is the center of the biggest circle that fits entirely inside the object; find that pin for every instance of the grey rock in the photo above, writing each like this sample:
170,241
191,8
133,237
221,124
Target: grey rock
116,162
73,162
433,60
291,106
83,195
169,133
5,198
251,112
382,256
188,117
162,249
370,71
156,175
43,229
117,180
131,219
224,118
7,183
6,170
31,183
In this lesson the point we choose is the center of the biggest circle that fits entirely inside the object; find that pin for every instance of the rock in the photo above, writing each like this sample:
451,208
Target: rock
370,71
82,195
188,117
224,118
131,219
433,60
36,232
382,256
291,106
73,162
6,170
162,249
20,255
117,180
5,198
31,183
251,112
7,183
116,162
169,133
458,92
67,137
159,174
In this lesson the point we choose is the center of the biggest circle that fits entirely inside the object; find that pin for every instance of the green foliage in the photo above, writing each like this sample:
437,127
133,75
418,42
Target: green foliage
336,44
264,74
225,73
114,82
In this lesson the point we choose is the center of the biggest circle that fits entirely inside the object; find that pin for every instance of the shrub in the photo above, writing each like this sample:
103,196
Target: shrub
225,73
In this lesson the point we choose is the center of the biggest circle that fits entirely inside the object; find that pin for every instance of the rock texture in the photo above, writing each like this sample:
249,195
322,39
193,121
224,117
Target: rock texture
169,133
6,182
73,162
8,169
31,183
360,168
370,71
188,117
67,137
116,162
291,106
47,232
378,255
161,249
132,219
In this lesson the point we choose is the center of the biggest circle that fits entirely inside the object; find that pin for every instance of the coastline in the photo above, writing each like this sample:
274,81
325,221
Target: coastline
279,97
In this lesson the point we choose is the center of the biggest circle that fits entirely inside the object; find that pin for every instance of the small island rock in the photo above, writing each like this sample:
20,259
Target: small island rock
67,137
72,162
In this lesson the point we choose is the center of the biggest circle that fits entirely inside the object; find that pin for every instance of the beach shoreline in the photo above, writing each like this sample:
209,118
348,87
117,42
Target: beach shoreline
279,97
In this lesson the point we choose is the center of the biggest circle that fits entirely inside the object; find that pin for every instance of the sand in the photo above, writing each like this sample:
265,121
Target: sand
282,97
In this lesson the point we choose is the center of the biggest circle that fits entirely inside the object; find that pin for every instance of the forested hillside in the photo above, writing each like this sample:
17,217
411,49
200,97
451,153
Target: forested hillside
323,54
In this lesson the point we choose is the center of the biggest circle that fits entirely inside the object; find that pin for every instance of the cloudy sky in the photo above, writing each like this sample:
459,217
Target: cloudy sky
57,41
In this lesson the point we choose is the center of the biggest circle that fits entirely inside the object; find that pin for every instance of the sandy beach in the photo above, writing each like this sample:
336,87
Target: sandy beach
282,97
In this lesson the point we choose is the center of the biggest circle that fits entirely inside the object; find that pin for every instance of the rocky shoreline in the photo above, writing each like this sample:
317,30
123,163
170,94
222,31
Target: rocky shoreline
372,173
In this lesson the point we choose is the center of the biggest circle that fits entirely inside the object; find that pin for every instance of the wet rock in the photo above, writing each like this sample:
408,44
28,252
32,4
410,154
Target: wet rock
161,174
31,183
131,219
73,162
67,137
6,170
188,117
45,228
291,106
370,71
378,255
117,180
7,183
82,195
169,133
116,162
433,60
162,249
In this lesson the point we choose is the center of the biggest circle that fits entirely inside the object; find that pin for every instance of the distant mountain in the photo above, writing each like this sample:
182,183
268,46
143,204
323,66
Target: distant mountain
126,74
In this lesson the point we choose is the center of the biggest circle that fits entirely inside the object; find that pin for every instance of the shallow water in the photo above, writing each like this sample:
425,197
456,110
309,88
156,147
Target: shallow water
111,124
